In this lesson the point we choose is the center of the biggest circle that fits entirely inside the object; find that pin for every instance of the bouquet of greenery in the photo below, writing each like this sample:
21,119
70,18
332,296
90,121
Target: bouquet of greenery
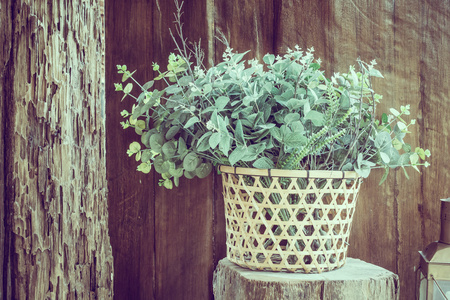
280,113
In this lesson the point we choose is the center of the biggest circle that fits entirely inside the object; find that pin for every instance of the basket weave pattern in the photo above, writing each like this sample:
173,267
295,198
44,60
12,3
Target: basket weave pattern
284,220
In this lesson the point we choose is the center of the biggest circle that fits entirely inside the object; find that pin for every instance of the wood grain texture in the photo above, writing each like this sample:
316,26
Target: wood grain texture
409,40
131,193
55,188
183,216
247,25
160,238
433,42
357,280
405,88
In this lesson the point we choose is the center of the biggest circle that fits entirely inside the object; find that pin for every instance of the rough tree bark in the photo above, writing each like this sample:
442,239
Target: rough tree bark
55,244
5,46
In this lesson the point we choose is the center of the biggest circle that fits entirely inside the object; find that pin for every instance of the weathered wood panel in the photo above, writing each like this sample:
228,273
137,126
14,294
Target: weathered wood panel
160,238
56,196
247,26
404,87
409,40
131,194
433,26
385,231
183,216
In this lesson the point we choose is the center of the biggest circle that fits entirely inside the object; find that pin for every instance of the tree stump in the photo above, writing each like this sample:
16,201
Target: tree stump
356,280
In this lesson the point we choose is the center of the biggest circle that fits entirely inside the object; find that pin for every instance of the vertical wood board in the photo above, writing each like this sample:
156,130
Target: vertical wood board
131,193
183,216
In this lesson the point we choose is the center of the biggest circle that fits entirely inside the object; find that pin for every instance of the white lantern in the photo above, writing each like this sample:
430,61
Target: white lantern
434,269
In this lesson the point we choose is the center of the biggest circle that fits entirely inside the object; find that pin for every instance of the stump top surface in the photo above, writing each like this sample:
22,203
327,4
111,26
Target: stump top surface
354,269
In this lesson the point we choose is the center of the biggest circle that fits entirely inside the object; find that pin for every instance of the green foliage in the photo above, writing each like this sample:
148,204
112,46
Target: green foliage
282,113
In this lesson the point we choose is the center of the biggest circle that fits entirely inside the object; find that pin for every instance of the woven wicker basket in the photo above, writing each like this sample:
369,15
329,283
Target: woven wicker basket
288,220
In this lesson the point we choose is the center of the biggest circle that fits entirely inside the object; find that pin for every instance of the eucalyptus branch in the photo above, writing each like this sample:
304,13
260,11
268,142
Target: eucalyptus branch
198,113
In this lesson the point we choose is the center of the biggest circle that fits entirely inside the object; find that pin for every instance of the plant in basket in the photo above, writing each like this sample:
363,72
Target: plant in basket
292,146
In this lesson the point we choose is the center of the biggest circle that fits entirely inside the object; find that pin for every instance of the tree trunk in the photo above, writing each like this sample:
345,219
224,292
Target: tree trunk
55,244
5,49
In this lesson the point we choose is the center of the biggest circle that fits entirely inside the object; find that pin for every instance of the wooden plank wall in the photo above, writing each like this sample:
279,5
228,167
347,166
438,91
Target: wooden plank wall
166,244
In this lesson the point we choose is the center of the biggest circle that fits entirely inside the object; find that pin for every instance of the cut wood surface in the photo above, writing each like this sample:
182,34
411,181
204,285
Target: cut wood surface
356,280
52,99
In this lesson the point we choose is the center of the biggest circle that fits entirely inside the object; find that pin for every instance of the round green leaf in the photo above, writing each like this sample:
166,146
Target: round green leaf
406,148
203,170
397,144
291,117
165,166
420,152
404,159
189,175
295,140
157,163
135,147
414,158
139,126
382,139
144,168
191,161
145,138
402,126
176,172
168,184
146,155
185,80
385,158
316,117
172,132
156,142
269,59
169,149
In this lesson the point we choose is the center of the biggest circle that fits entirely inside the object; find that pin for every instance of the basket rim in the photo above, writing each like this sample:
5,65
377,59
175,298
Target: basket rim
289,173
